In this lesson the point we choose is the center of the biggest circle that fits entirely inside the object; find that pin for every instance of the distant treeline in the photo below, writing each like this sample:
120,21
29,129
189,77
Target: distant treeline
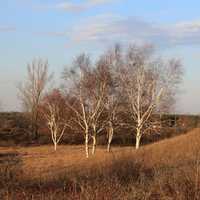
15,130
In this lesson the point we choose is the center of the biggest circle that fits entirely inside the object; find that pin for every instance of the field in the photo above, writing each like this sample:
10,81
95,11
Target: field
164,170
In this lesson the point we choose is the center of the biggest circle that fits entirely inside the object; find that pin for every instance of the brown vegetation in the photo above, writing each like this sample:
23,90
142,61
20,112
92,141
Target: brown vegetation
165,170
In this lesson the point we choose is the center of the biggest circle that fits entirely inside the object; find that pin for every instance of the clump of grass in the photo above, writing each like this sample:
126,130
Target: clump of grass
118,179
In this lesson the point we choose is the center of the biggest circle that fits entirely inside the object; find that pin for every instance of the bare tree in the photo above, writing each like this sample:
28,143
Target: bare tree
32,90
147,82
53,109
112,120
75,78
141,83
100,80
87,86
109,64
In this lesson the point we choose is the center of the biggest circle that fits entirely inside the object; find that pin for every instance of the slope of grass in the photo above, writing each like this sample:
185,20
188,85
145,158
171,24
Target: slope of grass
164,170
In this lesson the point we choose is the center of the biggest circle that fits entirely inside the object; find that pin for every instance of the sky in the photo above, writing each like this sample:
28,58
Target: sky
58,30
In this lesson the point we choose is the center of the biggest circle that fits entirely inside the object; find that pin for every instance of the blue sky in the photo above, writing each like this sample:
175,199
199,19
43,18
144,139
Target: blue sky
57,30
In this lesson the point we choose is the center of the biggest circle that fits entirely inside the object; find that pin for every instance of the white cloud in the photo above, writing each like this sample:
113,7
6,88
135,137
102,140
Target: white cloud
7,29
98,2
111,28
108,29
72,7
78,7
185,32
193,26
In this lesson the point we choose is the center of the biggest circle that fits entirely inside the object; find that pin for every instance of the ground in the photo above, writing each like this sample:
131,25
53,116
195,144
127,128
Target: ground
43,159
169,169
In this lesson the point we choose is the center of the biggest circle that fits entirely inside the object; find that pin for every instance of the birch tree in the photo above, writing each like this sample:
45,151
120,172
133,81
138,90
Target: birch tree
87,89
109,63
53,109
75,77
146,82
112,106
98,94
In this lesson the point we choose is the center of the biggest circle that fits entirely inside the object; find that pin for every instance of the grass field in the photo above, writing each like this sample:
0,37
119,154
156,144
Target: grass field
164,170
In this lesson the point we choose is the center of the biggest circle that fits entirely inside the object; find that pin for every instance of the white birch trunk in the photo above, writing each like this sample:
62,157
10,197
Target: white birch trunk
108,147
86,145
138,138
55,146
94,145
110,137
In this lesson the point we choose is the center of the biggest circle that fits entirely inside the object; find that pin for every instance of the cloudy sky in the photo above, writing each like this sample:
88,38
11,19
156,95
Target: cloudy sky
57,30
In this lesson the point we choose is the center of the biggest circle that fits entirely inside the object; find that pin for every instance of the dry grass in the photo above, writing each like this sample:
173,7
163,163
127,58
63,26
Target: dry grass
44,160
165,170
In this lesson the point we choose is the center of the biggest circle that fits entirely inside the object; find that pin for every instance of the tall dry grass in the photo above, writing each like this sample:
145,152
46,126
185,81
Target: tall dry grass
165,170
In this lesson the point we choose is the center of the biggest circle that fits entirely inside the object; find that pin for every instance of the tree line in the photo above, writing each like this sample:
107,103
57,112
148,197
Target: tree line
123,87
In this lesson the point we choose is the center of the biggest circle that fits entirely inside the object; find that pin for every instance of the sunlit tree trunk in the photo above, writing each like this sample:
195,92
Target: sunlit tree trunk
86,144
55,146
138,138
110,137
94,143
